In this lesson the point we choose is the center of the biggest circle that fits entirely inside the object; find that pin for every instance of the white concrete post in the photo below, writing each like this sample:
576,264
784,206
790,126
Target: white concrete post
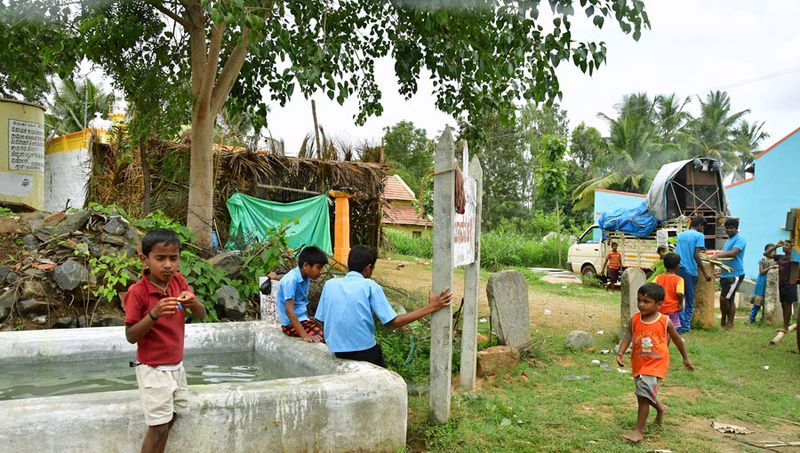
469,334
442,320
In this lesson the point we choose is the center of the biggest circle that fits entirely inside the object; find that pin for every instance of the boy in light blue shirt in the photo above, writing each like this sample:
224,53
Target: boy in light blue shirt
292,296
730,280
347,305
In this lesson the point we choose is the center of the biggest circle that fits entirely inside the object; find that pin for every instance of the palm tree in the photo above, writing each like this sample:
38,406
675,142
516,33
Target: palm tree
711,135
74,104
635,150
671,119
746,139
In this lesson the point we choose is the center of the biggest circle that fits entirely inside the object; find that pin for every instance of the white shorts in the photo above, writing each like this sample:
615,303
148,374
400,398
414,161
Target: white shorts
163,393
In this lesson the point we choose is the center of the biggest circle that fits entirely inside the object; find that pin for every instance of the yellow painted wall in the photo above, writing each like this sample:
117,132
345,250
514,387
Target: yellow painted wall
409,229
22,177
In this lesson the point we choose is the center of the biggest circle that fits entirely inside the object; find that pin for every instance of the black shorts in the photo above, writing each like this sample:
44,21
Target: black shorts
730,285
373,355
788,294
613,274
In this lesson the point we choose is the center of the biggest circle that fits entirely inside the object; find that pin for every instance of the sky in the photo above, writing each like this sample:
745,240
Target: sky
750,48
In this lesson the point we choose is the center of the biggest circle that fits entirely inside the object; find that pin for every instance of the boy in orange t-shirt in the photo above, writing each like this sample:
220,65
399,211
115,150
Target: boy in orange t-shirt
647,332
614,263
673,289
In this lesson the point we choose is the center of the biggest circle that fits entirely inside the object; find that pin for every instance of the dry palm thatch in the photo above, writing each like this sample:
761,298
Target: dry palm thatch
116,179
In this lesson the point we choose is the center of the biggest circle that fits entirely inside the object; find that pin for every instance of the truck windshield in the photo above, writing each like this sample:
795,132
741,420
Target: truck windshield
590,236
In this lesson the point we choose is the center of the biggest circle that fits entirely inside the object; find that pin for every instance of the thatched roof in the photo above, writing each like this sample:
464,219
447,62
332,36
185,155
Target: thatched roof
117,179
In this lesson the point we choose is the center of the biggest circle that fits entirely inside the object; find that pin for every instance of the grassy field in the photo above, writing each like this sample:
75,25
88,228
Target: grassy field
536,407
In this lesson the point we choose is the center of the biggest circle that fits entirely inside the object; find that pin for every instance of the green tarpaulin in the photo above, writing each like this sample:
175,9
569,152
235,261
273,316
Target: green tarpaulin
251,217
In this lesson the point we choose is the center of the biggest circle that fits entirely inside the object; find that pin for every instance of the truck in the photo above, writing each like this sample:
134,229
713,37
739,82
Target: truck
680,190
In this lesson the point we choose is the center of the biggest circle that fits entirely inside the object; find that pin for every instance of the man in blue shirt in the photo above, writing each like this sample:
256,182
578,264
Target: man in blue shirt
690,246
730,280
347,304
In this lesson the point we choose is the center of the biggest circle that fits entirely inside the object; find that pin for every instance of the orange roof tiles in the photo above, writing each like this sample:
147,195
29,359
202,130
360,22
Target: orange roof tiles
403,215
396,189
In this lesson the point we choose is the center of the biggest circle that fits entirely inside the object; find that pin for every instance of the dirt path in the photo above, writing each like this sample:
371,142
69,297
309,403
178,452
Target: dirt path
562,311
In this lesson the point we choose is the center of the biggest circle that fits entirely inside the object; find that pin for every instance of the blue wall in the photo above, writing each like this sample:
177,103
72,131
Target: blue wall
761,204
609,200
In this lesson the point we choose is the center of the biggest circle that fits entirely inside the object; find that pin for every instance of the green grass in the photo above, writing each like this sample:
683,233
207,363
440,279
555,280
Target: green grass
547,413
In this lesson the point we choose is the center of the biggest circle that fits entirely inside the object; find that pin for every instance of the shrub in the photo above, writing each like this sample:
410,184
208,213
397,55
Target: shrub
405,244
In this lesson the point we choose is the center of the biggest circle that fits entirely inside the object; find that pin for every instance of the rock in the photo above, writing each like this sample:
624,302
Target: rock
110,320
773,313
7,300
35,273
39,320
4,271
116,226
632,279
508,301
33,289
30,242
33,219
72,222
65,322
113,239
70,275
497,360
33,307
12,278
81,321
230,262
578,339
228,298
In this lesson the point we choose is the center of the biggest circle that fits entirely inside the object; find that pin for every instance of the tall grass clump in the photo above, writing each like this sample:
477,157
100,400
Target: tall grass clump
498,249
405,244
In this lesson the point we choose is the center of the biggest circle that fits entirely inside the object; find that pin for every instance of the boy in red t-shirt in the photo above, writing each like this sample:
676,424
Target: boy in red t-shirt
648,332
614,263
154,320
673,289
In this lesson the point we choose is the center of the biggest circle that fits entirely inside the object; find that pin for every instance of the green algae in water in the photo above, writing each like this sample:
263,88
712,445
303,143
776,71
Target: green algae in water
92,376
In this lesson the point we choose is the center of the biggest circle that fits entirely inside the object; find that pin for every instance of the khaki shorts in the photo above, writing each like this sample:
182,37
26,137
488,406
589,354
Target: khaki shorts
162,393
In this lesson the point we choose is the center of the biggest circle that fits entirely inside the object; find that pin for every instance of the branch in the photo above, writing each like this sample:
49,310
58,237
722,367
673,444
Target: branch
230,72
212,61
197,44
171,14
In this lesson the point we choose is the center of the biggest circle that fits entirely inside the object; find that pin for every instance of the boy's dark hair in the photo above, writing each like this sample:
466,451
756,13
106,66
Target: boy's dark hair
698,220
614,243
312,255
768,246
661,248
159,236
730,222
360,257
653,291
672,260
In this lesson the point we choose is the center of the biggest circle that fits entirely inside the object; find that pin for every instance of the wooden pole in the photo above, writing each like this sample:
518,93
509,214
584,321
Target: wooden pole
469,335
780,335
442,320
316,128
704,298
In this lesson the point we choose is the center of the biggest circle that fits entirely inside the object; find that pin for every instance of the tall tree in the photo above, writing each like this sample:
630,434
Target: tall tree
711,134
408,152
587,147
74,104
635,151
746,138
481,56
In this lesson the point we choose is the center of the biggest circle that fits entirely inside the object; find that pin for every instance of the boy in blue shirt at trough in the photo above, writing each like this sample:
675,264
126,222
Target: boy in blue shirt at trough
292,296
347,305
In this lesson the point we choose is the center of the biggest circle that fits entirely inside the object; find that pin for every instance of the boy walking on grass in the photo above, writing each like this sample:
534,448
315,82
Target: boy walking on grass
348,307
614,263
648,332
673,289
292,296
154,319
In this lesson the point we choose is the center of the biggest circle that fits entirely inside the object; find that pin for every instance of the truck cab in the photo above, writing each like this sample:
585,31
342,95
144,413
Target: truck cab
586,256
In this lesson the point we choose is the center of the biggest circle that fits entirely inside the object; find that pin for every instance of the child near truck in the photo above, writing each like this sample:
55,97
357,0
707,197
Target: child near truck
614,263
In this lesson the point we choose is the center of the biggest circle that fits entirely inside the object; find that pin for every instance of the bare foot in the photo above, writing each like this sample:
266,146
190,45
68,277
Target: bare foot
633,436
661,410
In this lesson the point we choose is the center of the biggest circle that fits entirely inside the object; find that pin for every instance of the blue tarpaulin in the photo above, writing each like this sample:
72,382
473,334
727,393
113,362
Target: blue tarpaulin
637,221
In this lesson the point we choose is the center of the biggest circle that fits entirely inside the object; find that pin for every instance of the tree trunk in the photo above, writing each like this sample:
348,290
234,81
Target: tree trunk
145,174
558,232
201,184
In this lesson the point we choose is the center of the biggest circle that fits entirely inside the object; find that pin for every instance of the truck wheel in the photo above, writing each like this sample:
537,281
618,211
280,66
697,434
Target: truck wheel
589,271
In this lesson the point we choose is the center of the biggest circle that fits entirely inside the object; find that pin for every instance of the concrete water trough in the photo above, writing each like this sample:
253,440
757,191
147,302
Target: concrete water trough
324,404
